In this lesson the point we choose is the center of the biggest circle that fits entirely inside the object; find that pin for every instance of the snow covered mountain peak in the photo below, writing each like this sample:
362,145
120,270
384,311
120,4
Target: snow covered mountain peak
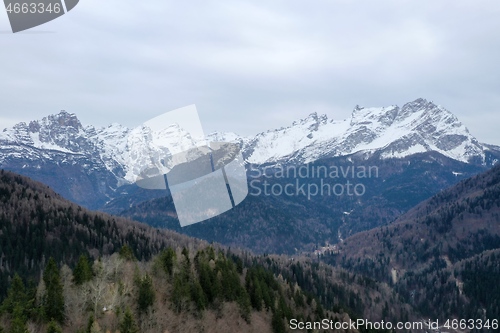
62,119
392,132
417,126
62,132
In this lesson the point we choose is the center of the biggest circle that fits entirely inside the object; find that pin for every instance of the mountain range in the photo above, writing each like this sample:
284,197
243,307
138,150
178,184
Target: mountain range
418,149
107,158
416,127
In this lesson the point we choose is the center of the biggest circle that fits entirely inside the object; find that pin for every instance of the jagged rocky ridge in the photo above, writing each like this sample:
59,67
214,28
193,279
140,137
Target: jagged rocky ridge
102,160
416,127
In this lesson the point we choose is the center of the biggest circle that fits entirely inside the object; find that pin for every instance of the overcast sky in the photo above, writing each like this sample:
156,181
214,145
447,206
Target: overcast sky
254,65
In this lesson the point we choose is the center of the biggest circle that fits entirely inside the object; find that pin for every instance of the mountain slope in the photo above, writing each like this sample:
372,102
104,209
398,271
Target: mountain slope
36,223
268,222
441,254
459,222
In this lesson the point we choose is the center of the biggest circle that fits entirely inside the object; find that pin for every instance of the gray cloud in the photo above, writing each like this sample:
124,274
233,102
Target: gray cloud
254,65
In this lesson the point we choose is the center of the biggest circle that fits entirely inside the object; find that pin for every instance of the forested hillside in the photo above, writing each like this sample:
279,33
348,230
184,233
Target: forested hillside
268,221
177,291
66,269
443,255
36,223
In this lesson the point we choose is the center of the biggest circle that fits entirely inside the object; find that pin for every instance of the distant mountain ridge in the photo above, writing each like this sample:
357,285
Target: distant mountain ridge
416,127
101,160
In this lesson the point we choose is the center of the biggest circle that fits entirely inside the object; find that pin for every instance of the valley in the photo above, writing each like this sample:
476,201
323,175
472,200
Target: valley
421,242
417,150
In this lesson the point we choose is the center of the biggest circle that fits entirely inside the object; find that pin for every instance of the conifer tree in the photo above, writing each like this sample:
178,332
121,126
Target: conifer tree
245,305
83,271
255,292
54,298
277,322
168,259
180,293
128,325
18,323
207,280
16,296
198,296
146,293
